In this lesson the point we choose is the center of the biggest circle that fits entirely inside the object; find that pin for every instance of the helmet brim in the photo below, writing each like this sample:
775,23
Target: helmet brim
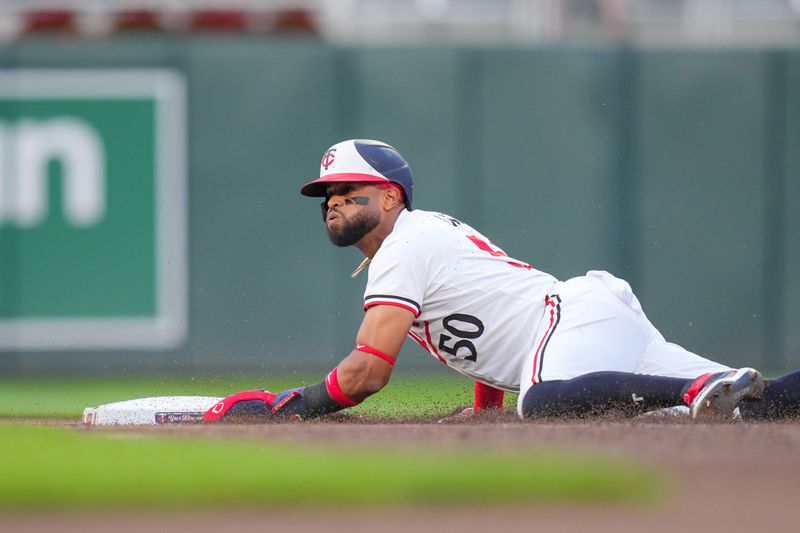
317,188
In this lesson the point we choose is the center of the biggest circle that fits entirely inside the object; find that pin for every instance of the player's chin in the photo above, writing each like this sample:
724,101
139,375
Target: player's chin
336,236
343,237
334,225
337,240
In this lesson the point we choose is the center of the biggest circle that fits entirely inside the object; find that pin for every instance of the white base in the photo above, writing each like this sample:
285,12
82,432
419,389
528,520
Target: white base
150,411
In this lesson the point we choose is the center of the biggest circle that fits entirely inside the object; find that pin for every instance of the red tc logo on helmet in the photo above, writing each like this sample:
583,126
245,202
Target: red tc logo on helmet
328,158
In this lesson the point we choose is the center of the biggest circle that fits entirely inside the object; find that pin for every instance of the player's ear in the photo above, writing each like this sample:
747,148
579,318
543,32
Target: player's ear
391,198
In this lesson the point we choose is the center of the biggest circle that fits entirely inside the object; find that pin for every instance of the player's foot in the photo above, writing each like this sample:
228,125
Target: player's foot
715,396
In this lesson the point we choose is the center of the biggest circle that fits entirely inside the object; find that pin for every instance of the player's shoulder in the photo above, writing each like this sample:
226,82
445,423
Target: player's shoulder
416,234
418,219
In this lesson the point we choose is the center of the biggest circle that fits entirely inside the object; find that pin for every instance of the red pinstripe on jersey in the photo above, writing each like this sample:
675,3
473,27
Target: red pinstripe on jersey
553,303
416,338
430,343
425,346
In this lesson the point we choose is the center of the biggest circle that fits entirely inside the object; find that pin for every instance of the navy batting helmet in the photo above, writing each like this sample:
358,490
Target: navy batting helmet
362,161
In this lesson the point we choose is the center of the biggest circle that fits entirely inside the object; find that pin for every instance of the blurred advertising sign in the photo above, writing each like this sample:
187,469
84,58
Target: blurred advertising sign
92,209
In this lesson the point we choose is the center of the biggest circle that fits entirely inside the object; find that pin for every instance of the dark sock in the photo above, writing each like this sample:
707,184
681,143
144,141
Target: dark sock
781,400
603,393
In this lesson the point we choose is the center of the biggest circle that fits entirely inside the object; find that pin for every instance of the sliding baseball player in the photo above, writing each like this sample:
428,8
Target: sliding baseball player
572,348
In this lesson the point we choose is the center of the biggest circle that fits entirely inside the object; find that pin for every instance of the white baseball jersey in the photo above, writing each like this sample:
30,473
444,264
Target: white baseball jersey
477,310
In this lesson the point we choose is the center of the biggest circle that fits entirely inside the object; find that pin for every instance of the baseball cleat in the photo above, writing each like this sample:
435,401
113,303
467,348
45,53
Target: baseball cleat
719,394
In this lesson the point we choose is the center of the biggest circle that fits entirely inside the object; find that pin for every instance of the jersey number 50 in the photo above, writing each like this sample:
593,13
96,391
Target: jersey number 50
455,325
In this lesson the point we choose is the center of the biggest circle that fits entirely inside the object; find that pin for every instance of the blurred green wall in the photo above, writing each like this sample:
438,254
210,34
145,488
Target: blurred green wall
675,169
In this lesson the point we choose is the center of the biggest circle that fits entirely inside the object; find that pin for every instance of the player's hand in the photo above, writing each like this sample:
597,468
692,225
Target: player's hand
254,404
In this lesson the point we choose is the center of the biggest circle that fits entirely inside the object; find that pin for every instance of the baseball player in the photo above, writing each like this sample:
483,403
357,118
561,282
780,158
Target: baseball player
576,348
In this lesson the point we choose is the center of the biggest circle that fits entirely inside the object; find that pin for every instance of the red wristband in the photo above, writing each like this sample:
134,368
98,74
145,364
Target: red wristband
487,397
332,384
372,351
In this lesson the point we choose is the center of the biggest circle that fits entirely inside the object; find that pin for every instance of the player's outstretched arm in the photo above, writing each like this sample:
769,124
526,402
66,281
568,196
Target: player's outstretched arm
368,367
364,372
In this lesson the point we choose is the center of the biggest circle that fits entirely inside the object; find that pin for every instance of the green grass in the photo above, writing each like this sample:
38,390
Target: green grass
60,468
66,398
46,468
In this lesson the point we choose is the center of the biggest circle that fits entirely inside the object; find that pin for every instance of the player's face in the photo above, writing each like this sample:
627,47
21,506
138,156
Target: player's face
352,212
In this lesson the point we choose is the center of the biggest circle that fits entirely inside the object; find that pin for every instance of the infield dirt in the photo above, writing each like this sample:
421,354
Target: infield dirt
734,477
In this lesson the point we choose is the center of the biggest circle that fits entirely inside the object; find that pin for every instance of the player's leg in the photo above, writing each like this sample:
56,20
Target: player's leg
710,396
586,328
718,389
664,358
781,400
597,393
586,354
597,352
